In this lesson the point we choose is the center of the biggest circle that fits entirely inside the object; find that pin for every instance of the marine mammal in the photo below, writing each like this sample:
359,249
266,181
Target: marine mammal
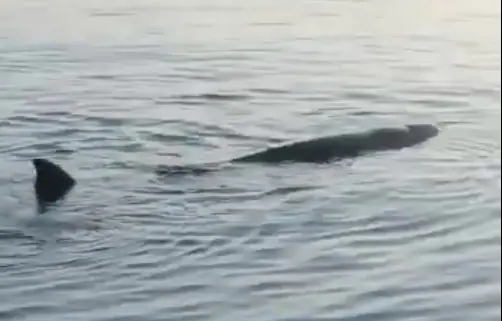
325,149
52,183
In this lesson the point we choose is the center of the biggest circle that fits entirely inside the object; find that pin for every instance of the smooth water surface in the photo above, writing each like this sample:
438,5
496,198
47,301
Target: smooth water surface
111,89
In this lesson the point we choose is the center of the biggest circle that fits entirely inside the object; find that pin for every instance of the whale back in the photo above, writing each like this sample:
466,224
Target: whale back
325,149
398,137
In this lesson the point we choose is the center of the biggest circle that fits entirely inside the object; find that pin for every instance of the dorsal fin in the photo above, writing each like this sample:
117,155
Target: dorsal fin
52,183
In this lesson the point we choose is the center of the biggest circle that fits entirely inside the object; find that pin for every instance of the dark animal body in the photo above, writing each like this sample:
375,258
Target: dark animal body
52,183
325,149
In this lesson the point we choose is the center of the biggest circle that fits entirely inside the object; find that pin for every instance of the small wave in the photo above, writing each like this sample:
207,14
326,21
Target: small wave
178,170
268,91
24,119
289,190
32,149
106,121
9,235
106,14
364,96
214,96
57,113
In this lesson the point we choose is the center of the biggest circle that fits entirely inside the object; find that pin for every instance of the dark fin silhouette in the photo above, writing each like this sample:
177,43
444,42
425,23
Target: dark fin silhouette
52,183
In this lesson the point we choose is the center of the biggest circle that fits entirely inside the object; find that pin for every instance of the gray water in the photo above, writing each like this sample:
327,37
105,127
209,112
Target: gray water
111,89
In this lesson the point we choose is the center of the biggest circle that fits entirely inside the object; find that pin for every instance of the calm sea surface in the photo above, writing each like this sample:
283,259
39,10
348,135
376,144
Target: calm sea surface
111,89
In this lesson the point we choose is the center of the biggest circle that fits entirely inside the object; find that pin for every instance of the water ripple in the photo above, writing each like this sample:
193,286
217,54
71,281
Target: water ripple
142,112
